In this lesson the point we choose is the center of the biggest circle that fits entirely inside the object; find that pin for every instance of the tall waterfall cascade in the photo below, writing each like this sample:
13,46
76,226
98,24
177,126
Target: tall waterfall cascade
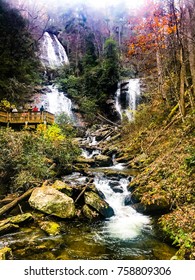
127,98
52,53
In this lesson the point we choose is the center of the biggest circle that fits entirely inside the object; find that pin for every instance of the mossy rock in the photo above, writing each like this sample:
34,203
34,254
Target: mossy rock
50,227
101,206
89,161
102,160
63,187
7,228
51,201
6,254
90,213
18,219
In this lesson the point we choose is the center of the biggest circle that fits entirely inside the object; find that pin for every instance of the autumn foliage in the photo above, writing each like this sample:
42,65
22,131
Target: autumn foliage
150,29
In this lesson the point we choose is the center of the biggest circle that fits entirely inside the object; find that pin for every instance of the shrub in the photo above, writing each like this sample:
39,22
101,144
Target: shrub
27,157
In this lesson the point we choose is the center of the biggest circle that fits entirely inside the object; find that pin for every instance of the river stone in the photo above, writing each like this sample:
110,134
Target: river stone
89,213
102,160
117,189
52,201
89,161
152,209
7,228
50,227
6,254
18,219
127,200
98,204
63,187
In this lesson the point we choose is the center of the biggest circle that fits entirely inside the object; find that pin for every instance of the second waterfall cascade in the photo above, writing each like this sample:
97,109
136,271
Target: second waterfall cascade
127,98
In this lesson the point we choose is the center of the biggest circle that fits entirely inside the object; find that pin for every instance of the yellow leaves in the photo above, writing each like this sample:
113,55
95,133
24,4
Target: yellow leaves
5,104
52,133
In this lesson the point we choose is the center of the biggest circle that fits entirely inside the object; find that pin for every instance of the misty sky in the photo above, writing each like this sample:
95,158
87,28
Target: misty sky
94,3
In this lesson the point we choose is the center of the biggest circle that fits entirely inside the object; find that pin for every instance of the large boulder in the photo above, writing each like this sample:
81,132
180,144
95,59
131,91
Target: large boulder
53,202
92,199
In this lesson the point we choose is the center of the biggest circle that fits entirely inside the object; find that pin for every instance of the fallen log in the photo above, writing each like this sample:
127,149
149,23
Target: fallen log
12,204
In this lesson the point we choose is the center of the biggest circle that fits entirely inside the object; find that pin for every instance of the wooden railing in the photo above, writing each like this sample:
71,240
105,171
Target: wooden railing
26,117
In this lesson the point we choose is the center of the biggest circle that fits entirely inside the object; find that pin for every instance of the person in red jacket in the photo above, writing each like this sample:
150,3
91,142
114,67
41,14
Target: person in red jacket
35,109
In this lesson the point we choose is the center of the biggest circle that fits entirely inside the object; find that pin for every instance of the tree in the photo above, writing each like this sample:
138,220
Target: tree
18,69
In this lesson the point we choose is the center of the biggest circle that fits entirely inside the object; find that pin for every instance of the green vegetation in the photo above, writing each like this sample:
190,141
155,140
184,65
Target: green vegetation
162,149
28,158
97,79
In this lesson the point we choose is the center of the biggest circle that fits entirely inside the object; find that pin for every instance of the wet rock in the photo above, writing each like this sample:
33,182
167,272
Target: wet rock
127,200
7,228
50,227
152,209
6,254
90,213
63,187
51,201
83,160
98,204
102,160
115,186
117,189
19,219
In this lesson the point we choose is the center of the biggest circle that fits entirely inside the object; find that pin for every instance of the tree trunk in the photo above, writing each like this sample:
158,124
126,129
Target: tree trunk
191,46
182,85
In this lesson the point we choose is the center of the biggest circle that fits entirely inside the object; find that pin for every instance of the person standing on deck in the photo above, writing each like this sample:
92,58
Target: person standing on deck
35,109
42,109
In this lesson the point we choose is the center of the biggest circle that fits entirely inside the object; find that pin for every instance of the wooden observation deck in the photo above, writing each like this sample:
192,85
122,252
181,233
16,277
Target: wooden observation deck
26,118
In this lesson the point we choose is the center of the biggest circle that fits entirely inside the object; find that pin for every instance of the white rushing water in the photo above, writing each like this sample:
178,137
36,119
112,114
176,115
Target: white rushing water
126,223
52,53
132,95
56,102
117,104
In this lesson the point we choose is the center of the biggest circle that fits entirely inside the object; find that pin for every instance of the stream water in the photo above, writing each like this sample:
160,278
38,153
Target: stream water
126,235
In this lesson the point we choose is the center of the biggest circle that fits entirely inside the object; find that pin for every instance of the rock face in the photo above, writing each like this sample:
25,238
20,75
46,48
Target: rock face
92,199
51,201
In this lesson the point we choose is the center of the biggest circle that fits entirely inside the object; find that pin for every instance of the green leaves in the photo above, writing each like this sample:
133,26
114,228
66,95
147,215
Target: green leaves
26,158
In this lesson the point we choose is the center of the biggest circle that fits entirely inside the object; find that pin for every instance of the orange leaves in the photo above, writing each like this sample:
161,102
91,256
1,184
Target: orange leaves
150,30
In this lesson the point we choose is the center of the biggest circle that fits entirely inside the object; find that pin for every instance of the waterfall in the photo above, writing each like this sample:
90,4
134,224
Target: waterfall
52,53
56,102
118,105
126,223
127,98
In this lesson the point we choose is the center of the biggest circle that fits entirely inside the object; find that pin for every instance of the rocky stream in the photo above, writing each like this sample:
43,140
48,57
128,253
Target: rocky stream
88,214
